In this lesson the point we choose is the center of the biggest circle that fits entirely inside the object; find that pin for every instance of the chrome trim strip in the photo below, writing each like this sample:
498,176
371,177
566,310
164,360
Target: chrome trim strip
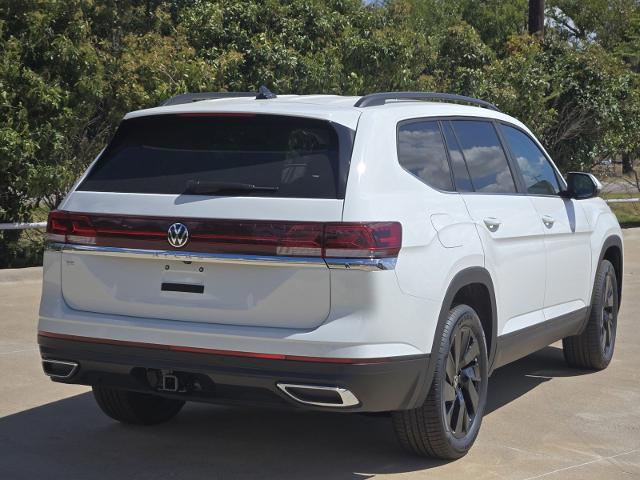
366,264
74,368
190,256
54,246
348,399
363,264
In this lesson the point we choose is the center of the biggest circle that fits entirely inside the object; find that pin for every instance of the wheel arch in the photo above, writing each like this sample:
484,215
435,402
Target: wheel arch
612,250
468,284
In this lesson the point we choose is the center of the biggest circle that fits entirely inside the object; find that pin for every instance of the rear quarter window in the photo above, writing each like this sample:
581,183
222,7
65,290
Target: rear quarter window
422,152
162,154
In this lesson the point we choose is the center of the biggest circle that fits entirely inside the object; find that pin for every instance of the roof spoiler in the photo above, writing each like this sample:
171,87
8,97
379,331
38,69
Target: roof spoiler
376,99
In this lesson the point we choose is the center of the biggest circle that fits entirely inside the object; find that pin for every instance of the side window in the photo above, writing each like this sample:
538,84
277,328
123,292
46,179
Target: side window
421,151
486,160
539,176
458,165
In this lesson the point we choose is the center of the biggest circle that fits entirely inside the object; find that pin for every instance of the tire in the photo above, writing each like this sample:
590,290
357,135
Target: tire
460,380
593,348
134,407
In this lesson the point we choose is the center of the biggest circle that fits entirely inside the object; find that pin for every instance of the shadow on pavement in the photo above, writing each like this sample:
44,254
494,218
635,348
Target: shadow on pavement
71,438
514,380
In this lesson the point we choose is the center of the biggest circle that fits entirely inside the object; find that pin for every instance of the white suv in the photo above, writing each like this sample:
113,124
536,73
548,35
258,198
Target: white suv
382,253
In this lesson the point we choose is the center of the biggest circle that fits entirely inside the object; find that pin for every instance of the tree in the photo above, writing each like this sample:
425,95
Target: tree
536,17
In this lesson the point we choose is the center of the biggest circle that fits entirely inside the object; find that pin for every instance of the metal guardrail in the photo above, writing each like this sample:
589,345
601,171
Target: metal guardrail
22,226
623,200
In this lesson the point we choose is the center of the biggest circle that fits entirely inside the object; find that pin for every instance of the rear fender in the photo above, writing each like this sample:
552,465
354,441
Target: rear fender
463,278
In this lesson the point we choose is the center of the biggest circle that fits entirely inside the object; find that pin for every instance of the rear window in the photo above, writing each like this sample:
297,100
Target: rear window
225,154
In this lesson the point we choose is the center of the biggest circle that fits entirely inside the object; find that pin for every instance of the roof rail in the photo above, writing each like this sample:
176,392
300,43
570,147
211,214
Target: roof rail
198,97
375,99
263,94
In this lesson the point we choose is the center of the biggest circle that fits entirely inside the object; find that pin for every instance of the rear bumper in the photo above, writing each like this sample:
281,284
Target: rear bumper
380,384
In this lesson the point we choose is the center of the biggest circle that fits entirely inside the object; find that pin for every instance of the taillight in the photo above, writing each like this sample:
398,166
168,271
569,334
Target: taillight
57,226
362,240
70,228
308,239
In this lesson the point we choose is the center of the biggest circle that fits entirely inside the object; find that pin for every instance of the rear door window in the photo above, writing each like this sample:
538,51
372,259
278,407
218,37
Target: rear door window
538,174
225,154
484,156
421,151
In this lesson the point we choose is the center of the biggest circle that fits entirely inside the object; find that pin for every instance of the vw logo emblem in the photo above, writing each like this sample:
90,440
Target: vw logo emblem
178,235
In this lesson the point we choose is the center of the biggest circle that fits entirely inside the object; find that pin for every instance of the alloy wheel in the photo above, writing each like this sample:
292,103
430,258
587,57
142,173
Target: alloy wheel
607,334
462,383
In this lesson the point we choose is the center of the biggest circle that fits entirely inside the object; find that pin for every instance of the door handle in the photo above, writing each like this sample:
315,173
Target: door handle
548,221
492,223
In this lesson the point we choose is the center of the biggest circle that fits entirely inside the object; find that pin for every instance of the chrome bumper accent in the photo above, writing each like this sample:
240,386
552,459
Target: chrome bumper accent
366,264
71,366
190,256
347,398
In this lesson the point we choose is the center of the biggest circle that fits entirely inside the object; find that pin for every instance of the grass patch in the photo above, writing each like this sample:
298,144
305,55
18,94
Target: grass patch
628,213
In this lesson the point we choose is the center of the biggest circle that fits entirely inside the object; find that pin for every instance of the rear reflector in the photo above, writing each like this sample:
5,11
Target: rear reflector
308,239
210,351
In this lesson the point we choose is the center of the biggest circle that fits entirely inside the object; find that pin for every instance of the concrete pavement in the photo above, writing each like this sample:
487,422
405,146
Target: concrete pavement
544,420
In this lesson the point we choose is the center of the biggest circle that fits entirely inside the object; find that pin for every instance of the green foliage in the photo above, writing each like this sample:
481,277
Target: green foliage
581,102
496,20
69,70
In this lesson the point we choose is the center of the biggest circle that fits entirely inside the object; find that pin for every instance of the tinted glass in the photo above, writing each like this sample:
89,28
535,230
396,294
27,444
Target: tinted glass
460,172
295,157
539,176
421,151
485,157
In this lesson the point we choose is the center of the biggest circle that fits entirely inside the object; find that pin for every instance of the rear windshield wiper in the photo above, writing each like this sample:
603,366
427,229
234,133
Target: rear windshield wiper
199,187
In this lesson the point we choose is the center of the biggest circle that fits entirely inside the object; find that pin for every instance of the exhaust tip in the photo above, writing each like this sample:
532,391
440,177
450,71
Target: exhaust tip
59,368
319,396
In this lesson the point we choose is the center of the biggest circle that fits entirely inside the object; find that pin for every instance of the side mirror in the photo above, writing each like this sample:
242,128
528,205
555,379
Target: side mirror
581,186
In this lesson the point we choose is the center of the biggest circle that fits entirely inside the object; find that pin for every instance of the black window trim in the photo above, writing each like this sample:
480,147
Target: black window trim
466,166
513,166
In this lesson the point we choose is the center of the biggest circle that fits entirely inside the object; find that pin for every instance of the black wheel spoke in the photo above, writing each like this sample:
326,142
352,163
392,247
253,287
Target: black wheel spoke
609,293
450,411
461,412
449,392
457,346
472,396
465,340
450,368
472,352
452,414
472,372
466,420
